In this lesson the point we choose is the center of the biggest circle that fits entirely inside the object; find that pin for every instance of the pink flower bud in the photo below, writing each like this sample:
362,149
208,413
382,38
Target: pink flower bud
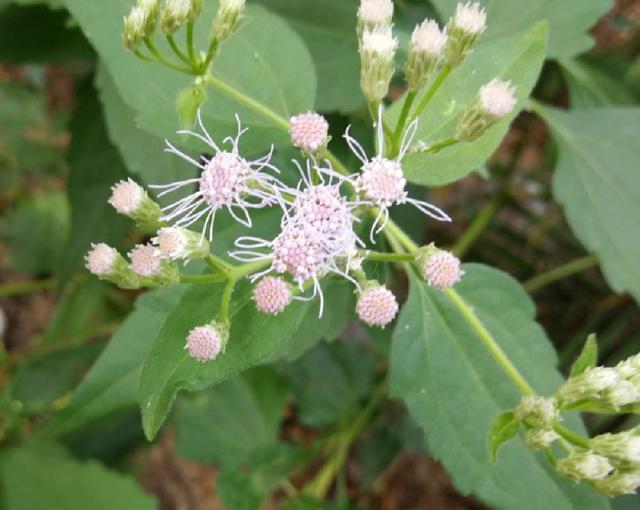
145,260
309,131
377,306
126,196
442,269
272,295
101,259
204,343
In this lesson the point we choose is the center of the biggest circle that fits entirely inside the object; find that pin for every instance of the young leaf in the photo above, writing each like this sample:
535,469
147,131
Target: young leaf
569,24
588,357
454,388
517,58
265,61
254,338
504,427
224,424
44,477
597,181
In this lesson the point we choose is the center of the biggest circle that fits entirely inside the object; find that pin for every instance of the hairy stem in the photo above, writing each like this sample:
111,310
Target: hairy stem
560,272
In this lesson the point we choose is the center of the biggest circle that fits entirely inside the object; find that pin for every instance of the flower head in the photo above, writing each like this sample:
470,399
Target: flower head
538,412
441,269
135,24
381,181
179,243
372,13
497,98
588,384
622,447
377,51
376,306
309,132
174,14
227,180
106,263
204,343
147,263
227,18
272,295
584,466
621,393
537,439
470,17
618,483
428,39
130,199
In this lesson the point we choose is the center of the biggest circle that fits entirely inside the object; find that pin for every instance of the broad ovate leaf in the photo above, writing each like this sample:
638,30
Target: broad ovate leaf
597,181
454,388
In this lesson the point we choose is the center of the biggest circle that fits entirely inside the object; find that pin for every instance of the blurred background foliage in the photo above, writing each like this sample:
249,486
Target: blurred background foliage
66,135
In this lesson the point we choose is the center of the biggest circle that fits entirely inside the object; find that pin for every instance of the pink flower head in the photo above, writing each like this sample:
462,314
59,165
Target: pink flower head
442,269
309,131
126,196
376,306
227,180
204,343
145,260
381,181
101,259
271,295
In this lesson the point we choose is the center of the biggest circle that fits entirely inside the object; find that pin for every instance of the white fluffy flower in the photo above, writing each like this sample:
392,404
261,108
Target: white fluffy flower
498,97
470,17
145,260
428,39
227,180
379,42
584,466
381,181
375,12
126,196
101,259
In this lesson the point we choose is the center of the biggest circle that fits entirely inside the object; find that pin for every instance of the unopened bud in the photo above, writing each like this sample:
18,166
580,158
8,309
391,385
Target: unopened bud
621,393
373,13
629,367
377,51
227,18
147,263
179,243
622,447
205,343
618,483
130,199
425,50
464,28
309,132
588,384
107,264
536,439
584,466
538,412
176,13
376,306
272,295
135,28
440,268
495,100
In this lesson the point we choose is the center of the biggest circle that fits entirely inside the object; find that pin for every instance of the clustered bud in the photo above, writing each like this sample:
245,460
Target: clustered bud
309,132
622,447
130,199
147,263
440,268
205,343
468,22
179,243
227,18
537,412
377,306
107,264
425,51
495,100
377,51
584,466
140,23
272,295
617,484
587,385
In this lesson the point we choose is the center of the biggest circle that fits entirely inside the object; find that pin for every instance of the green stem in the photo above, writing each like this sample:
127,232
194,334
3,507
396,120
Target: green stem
211,53
572,437
247,101
218,264
442,75
389,257
489,342
15,289
141,55
478,225
560,272
164,60
398,233
203,278
239,272
320,485
438,146
191,50
176,49
225,302
402,121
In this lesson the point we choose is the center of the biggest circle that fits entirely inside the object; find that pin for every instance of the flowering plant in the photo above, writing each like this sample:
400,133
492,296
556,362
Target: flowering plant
260,222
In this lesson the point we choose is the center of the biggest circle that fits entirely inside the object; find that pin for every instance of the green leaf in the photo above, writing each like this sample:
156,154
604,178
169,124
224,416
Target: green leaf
224,424
329,380
328,30
588,357
95,167
596,82
112,383
44,36
597,181
504,427
454,389
38,225
264,60
517,58
568,24
46,478
254,339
